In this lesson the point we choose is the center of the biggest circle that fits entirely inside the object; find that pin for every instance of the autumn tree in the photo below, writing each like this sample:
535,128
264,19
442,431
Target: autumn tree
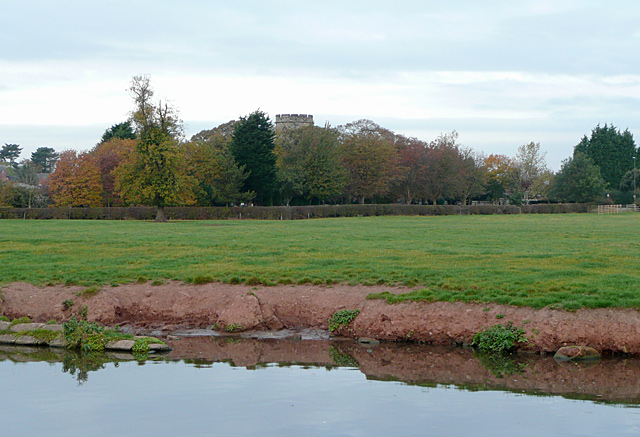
369,158
412,167
253,147
109,155
501,176
155,173
76,180
451,171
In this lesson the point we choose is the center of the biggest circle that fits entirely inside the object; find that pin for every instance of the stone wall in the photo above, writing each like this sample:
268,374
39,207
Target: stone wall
293,121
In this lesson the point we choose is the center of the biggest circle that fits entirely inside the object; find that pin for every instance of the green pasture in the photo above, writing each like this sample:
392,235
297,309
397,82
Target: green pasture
564,260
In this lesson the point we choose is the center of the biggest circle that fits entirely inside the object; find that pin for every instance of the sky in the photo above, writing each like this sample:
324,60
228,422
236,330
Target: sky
500,73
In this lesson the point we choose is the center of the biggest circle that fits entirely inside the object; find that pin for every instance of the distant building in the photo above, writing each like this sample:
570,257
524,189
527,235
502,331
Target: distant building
292,121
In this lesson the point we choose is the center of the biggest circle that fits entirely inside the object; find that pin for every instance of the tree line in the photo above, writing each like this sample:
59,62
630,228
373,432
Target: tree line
147,161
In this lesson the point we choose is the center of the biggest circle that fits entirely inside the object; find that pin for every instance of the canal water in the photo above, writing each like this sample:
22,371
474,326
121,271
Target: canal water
236,386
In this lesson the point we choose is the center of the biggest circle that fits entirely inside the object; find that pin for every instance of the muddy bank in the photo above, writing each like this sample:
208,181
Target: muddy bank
241,307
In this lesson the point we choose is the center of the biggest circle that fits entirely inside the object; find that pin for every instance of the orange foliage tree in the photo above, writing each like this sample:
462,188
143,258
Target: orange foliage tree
109,155
76,180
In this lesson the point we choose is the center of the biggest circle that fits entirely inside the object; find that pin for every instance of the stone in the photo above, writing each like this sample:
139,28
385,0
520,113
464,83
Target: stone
367,340
4,326
7,339
59,342
28,340
21,327
576,353
53,328
157,347
120,345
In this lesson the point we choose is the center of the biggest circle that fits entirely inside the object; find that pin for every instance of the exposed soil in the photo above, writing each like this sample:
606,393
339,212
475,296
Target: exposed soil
173,305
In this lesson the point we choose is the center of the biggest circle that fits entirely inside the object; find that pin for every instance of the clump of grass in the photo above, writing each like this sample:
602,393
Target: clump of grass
84,312
41,334
20,321
4,319
202,279
342,318
499,338
141,346
141,280
68,303
233,327
51,322
88,292
157,282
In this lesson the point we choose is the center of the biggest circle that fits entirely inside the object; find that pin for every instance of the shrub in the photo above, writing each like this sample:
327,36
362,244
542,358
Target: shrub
90,337
499,338
282,212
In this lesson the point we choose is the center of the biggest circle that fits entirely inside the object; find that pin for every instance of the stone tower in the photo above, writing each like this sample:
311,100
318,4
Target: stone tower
292,121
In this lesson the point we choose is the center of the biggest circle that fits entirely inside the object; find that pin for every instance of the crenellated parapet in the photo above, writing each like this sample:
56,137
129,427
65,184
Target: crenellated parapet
293,121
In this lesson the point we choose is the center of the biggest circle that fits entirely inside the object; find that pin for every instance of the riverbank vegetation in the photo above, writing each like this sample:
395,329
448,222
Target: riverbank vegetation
566,260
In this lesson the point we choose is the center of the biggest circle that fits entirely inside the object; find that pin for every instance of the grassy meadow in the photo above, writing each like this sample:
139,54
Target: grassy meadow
565,260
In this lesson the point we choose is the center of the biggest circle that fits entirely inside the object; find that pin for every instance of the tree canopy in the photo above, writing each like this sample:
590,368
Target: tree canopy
45,158
10,153
155,172
253,146
122,131
611,150
579,180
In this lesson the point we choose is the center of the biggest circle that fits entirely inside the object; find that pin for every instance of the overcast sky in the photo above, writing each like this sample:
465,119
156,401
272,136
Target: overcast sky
500,73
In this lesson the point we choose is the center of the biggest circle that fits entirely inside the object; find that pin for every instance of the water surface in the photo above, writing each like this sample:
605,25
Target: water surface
231,386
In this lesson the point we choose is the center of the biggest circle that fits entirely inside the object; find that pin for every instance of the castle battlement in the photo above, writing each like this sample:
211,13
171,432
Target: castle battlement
293,121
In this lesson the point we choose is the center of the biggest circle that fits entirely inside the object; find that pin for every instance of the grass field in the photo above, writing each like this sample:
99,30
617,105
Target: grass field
569,261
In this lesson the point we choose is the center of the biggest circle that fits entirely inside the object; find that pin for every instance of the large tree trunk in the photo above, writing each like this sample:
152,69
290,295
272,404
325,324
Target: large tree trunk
160,217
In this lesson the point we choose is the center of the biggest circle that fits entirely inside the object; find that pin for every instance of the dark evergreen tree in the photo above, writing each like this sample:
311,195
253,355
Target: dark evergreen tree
611,150
253,147
10,153
45,158
123,131
579,180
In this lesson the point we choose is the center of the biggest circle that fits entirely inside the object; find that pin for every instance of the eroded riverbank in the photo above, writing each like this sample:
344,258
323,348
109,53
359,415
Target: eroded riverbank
171,306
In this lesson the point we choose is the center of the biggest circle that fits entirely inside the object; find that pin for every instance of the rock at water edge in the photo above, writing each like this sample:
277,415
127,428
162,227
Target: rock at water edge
120,345
576,353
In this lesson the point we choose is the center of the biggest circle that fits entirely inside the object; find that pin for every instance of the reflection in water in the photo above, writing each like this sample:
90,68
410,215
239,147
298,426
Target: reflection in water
612,380
212,386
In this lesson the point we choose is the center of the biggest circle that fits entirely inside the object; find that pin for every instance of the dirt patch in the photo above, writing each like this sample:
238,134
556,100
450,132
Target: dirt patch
242,307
